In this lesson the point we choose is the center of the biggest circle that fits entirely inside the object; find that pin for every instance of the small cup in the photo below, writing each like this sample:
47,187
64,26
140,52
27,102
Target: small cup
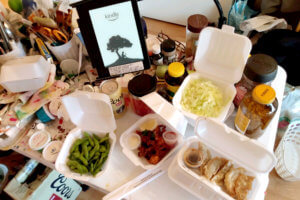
69,66
69,50
170,138
39,140
50,152
133,141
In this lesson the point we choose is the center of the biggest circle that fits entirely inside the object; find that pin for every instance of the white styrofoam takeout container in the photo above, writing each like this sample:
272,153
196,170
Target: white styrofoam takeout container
25,74
220,57
224,142
90,112
165,114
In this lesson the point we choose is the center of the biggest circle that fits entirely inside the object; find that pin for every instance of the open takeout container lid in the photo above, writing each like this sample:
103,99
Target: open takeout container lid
25,73
90,111
244,151
222,54
167,111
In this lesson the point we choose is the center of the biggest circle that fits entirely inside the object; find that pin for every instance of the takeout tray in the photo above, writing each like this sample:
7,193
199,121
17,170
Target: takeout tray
133,154
220,58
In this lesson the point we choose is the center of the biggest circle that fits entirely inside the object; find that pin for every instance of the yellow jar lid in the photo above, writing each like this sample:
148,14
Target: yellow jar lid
176,69
263,94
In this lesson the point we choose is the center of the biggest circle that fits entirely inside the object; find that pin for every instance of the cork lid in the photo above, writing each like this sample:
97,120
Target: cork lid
197,22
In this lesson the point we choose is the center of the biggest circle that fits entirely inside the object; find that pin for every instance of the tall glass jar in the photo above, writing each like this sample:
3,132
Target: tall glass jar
256,111
260,69
194,26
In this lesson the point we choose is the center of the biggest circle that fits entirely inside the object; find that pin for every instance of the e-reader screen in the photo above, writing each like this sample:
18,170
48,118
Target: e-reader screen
118,38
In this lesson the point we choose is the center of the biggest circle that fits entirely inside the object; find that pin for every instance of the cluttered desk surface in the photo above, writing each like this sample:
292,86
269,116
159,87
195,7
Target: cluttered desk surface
278,188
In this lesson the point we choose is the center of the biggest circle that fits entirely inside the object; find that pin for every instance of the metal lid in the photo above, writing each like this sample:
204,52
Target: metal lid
168,45
197,22
141,85
261,68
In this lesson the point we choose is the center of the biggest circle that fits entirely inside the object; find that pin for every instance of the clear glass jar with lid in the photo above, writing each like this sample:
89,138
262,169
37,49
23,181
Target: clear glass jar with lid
256,111
194,26
260,69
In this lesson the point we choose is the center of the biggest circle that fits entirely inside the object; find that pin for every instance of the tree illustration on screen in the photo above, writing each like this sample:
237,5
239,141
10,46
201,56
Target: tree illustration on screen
117,42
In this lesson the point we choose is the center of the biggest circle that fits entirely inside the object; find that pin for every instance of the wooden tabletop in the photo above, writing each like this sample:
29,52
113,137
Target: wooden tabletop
278,189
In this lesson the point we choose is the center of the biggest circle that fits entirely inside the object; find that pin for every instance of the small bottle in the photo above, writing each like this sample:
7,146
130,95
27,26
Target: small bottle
174,77
157,57
260,69
168,49
256,111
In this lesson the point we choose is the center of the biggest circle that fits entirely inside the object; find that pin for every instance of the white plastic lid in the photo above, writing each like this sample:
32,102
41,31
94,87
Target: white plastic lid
90,111
243,150
156,49
222,54
28,67
163,108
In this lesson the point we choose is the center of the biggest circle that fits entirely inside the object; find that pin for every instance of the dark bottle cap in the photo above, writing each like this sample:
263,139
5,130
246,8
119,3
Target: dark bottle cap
197,22
168,45
141,85
261,68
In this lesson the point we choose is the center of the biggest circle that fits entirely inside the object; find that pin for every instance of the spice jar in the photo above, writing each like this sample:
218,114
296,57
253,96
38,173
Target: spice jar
139,86
195,24
256,111
260,69
168,49
157,57
174,76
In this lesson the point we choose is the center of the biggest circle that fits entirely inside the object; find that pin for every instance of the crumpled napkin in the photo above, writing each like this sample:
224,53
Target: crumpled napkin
262,23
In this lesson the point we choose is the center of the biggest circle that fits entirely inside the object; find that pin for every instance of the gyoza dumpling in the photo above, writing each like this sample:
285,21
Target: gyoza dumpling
231,177
242,186
213,166
219,177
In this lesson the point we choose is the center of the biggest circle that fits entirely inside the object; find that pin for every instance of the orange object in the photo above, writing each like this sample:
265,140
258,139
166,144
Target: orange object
60,36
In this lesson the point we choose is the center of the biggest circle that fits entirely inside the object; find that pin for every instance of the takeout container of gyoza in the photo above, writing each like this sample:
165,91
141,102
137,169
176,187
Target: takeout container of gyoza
222,141
91,113
165,114
220,58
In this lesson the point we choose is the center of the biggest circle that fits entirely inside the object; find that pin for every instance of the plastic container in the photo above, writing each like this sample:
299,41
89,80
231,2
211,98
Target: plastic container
133,141
288,153
90,112
170,138
39,140
50,152
24,74
68,50
221,59
260,69
17,52
224,142
133,154
165,114
139,86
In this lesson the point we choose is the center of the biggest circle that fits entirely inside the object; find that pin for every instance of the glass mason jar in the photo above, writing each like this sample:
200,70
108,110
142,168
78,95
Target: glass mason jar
256,111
